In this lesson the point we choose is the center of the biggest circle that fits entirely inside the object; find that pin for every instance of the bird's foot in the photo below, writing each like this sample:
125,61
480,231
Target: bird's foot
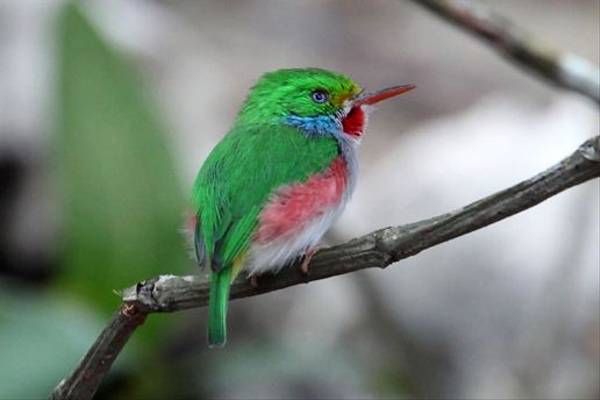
253,281
128,310
306,260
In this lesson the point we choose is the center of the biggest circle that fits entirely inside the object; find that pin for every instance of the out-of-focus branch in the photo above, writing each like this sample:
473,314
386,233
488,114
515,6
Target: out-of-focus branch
563,69
168,293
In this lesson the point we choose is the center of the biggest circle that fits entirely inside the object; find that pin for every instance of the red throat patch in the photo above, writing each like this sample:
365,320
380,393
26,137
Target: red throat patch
354,122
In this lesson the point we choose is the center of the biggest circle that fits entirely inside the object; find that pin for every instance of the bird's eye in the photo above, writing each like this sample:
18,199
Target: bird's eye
320,96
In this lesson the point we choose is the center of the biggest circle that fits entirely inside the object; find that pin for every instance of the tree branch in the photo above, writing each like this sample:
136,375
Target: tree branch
168,293
562,69
86,378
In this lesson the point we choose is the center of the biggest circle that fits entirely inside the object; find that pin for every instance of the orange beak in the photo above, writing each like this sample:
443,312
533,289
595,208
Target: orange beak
380,95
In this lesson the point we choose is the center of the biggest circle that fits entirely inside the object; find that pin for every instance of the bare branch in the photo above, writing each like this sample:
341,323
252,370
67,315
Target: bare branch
168,293
562,69
86,378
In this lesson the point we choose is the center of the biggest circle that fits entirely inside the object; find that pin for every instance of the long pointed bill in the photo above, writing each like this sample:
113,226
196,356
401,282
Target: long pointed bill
380,95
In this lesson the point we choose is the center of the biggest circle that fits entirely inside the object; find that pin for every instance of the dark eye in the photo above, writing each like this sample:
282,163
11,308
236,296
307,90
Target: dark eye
320,96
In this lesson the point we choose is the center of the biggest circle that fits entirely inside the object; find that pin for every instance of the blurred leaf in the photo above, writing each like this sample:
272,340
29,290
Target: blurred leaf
121,194
41,338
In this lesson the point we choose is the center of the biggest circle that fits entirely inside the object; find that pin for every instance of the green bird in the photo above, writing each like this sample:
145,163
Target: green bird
276,182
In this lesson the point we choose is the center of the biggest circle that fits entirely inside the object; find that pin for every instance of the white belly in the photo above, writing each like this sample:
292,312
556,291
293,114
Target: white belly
273,256
276,254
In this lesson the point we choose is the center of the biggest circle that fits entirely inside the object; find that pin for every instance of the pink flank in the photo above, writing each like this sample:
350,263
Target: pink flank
190,221
297,204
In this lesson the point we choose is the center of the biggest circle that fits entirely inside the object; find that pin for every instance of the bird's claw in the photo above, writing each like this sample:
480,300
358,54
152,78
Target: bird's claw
304,267
253,281
128,310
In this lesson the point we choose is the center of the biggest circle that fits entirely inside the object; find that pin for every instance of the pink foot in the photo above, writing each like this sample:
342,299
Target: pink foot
306,261
128,310
254,281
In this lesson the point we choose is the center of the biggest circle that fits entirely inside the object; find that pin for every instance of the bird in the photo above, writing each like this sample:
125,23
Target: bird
275,183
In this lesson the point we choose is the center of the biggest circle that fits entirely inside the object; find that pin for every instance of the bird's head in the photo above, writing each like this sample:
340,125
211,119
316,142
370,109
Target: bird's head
317,101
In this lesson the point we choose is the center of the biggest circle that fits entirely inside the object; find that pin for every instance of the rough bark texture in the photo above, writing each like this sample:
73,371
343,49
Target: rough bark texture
168,293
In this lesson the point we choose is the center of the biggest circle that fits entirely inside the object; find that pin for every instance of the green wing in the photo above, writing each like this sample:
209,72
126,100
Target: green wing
235,182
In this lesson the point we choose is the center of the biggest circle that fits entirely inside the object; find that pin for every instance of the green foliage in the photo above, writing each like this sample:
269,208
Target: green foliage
122,200
42,336
122,212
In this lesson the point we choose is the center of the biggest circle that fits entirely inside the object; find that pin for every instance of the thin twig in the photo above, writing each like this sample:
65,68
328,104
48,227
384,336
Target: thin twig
168,293
562,69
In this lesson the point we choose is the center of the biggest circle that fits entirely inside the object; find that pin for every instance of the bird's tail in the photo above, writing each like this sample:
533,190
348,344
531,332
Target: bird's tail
217,307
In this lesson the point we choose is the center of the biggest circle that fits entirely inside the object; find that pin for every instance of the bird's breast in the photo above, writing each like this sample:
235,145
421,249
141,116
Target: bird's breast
294,206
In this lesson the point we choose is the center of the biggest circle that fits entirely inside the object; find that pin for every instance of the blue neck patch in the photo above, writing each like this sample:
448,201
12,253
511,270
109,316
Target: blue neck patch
321,125
325,125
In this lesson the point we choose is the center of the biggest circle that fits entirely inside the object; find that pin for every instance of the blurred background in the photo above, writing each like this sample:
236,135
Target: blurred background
108,110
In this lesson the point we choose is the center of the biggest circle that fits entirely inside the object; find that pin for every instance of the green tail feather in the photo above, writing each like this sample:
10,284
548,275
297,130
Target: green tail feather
217,307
